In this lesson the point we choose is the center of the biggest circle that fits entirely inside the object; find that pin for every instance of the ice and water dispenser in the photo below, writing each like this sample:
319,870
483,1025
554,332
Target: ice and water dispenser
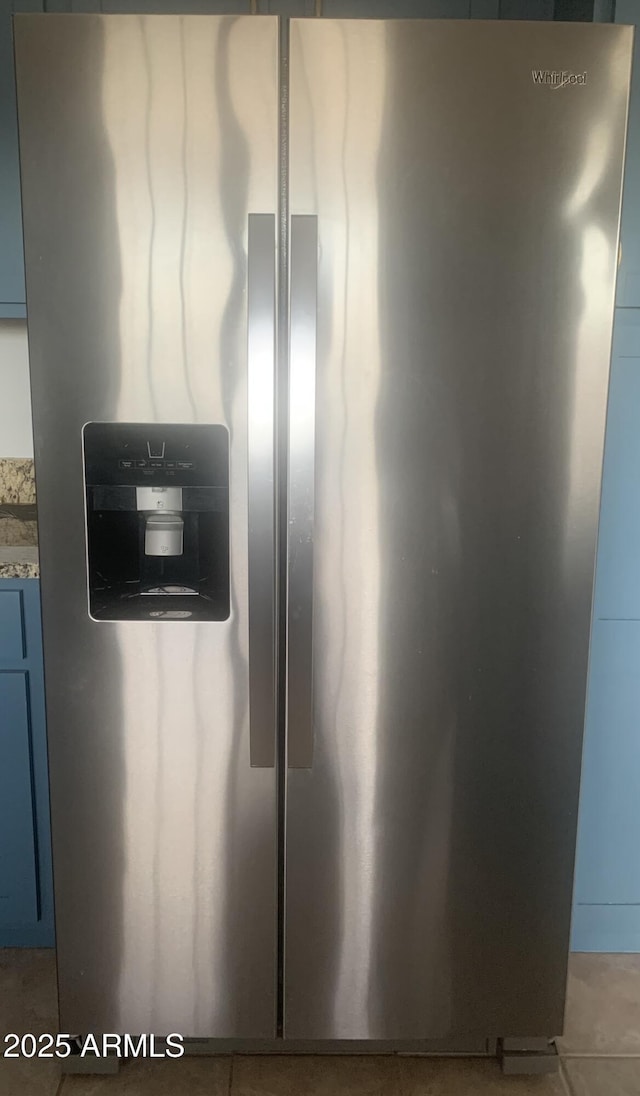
157,509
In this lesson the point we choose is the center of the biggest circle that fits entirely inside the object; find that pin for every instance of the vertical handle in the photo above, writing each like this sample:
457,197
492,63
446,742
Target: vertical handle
261,362
302,413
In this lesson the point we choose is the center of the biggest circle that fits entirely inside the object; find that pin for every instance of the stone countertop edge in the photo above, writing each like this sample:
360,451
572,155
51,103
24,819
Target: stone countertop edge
19,570
20,561
17,488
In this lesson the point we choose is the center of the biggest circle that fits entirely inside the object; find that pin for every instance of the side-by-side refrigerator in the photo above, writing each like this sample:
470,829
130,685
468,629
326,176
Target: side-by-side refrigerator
319,323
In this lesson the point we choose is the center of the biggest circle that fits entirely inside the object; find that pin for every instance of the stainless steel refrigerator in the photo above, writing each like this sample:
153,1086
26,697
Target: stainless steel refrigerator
319,321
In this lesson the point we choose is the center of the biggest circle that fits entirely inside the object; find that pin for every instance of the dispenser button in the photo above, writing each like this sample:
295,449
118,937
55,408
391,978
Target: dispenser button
156,464
159,498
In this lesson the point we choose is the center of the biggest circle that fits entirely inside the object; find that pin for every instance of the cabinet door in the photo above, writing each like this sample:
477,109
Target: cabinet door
26,890
18,874
12,293
628,295
607,884
618,571
608,866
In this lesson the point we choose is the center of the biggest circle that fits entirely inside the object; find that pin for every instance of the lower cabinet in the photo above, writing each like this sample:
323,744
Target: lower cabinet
607,894
26,893
617,590
607,885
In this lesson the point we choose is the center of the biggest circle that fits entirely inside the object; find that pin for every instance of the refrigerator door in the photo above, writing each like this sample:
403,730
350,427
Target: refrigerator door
467,201
149,169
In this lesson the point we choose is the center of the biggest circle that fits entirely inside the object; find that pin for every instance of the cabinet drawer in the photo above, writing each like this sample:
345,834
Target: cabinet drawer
12,646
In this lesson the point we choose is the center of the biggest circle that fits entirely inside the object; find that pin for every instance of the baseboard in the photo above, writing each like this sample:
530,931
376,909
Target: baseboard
606,928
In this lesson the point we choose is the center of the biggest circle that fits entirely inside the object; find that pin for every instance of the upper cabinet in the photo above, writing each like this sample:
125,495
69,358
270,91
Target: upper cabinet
628,295
441,9
153,7
396,9
296,8
12,294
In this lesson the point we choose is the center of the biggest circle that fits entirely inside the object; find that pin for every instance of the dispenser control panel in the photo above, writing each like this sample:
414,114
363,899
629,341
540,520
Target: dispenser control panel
148,466
136,454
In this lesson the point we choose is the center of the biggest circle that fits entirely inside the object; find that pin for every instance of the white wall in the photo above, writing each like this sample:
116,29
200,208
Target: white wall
15,400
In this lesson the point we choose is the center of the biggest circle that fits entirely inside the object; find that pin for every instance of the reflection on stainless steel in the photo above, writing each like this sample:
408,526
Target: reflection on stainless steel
467,236
301,470
261,363
597,265
146,143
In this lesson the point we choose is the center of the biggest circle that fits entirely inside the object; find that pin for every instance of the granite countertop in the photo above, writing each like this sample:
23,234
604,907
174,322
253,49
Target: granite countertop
18,540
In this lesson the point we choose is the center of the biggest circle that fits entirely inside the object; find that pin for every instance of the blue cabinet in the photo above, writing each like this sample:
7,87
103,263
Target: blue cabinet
607,884
607,887
607,893
18,874
628,294
12,291
608,861
617,592
26,893
438,9
152,7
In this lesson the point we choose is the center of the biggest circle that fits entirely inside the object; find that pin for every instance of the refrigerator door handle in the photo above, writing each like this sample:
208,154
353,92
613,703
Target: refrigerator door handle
261,364
302,412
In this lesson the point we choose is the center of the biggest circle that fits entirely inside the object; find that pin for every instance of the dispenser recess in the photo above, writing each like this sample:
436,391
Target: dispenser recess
157,521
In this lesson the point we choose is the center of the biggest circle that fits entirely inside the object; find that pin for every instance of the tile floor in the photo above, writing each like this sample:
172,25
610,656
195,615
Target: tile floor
600,1051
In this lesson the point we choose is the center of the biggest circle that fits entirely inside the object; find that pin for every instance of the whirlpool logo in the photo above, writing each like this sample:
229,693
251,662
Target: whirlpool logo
555,80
